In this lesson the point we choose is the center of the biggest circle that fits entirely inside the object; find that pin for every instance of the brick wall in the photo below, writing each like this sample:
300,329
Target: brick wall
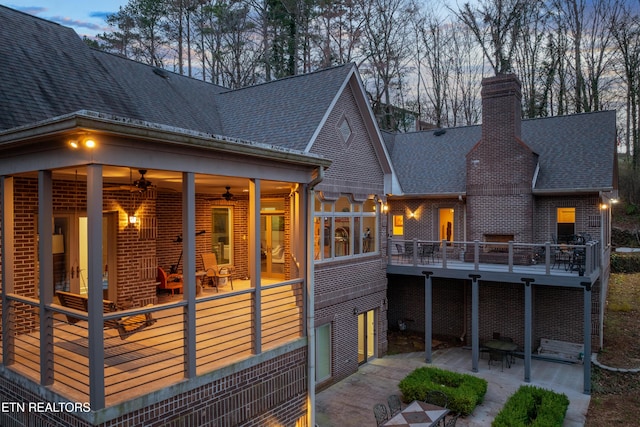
272,393
557,311
353,282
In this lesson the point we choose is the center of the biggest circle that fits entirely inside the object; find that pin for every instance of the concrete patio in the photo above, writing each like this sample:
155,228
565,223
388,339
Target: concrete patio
350,402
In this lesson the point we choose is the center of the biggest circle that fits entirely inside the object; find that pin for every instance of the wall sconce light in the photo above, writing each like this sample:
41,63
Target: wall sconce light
133,220
412,214
384,304
82,141
385,208
355,311
604,206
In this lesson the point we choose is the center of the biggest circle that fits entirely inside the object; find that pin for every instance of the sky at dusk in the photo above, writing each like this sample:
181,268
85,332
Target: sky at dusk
86,17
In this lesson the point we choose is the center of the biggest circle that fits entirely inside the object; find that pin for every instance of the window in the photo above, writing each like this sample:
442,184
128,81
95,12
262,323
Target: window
566,224
222,234
323,352
344,228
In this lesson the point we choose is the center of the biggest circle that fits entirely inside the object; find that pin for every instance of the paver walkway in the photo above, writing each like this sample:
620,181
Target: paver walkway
349,403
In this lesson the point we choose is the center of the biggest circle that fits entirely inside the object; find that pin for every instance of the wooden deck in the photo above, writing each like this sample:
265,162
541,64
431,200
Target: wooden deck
154,357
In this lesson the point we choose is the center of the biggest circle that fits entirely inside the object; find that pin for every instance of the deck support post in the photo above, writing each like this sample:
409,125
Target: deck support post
475,321
527,327
428,314
586,357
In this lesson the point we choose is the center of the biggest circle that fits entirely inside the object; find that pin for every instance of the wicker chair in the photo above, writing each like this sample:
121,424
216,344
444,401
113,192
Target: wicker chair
380,412
395,405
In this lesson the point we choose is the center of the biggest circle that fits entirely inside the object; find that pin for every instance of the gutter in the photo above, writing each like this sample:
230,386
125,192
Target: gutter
90,121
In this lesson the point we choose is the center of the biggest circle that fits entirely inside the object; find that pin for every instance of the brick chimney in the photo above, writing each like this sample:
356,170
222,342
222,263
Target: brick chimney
500,167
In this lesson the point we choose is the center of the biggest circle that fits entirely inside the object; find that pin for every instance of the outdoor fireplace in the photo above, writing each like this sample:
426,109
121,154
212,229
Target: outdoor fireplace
498,238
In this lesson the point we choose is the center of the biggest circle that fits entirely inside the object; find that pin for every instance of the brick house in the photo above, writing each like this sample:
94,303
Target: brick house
503,228
110,169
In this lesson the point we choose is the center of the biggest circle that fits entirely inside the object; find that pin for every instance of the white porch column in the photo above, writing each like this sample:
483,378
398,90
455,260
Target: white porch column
254,259
45,281
94,303
189,269
7,241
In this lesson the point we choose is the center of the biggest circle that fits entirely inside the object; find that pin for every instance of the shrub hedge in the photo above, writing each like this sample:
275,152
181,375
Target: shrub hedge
622,262
533,406
463,391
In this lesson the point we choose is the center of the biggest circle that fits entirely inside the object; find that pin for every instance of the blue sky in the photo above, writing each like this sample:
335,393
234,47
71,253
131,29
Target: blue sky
86,17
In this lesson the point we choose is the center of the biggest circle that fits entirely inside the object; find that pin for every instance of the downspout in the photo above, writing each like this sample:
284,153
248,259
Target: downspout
311,335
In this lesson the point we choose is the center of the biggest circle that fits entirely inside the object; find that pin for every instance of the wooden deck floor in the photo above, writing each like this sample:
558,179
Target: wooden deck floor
154,357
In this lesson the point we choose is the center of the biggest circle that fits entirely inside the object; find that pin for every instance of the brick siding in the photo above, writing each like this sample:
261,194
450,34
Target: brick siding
270,394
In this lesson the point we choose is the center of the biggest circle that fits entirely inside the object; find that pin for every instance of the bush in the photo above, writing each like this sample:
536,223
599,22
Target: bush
533,406
625,262
463,391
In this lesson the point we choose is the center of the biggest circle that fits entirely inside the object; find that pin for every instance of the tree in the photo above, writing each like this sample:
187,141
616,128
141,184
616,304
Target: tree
387,49
626,32
496,25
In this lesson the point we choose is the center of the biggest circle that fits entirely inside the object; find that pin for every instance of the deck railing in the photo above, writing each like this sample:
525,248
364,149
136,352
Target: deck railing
548,258
154,357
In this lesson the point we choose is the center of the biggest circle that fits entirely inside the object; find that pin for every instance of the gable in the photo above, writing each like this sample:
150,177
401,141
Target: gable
355,167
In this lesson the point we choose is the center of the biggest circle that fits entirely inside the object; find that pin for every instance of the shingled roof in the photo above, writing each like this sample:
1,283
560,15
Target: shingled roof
576,153
264,113
52,72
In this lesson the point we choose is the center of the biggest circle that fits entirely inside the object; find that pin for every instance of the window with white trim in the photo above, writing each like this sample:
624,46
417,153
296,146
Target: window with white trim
344,227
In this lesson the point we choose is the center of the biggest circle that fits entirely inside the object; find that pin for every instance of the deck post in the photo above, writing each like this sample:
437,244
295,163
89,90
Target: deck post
45,230
476,255
189,270
527,327
475,321
586,357
94,303
428,314
7,243
254,271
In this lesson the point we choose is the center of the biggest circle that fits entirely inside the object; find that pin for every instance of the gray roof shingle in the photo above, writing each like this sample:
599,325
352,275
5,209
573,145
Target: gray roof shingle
264,113
576,152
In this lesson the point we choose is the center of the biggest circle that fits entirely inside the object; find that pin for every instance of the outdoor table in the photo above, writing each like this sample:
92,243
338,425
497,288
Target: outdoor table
418,414
505,347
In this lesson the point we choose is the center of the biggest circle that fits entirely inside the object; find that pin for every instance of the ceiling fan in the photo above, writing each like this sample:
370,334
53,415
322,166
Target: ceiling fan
139,185
224,196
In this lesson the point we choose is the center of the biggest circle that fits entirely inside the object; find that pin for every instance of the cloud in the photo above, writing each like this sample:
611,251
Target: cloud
75,23
31,10
101,15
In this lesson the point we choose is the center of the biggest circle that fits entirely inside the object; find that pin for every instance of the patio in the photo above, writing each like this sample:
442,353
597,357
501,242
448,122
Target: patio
349,403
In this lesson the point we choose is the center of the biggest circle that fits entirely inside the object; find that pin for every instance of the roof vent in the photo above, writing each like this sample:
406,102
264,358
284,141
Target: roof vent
161,72
440,132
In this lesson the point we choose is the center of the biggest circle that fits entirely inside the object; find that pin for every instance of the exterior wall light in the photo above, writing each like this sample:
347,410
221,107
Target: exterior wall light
133,220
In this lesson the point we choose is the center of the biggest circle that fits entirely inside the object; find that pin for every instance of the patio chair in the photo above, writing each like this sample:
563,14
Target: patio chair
452,421
427,251
510,358
436,397
169,282
395,405
380,412
213,272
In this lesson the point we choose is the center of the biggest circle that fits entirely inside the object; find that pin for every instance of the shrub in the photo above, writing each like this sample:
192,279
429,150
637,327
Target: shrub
625,262
463,391
533,406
